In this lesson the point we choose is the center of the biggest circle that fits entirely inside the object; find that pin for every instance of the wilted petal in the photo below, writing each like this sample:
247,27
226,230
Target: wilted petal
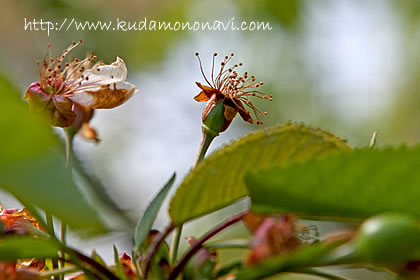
81,123
253,221
105,74
87,132
201,97
33,264
105,97
230,112
205,94
246,116
18,221
273,237
83,115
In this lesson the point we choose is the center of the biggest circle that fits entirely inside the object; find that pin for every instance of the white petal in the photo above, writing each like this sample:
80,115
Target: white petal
83,98
105,74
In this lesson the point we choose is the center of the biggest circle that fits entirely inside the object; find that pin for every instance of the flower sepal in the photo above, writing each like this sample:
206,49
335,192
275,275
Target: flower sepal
214,120
58,108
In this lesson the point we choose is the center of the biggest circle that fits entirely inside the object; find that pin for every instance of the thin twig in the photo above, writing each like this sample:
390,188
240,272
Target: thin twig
97,266
206,140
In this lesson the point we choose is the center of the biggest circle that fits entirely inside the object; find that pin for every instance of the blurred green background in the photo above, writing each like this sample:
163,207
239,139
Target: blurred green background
349,66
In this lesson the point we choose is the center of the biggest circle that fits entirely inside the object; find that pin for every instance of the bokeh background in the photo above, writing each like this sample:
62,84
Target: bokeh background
349,66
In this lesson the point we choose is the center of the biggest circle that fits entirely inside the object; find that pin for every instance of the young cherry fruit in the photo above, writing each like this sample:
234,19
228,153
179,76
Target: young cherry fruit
388,238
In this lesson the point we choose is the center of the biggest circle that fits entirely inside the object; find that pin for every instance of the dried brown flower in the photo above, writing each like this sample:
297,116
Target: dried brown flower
70,92
231,90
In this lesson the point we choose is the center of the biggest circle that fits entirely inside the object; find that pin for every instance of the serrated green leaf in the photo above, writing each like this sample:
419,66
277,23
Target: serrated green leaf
24,247
353,185
33,170
305,257
146,222
218,180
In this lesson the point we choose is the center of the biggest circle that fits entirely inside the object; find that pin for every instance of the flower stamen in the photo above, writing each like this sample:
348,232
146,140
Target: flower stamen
237,89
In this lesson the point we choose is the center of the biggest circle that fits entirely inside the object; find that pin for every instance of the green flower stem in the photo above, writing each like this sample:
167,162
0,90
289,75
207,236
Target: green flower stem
173,250
206,139
69,134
